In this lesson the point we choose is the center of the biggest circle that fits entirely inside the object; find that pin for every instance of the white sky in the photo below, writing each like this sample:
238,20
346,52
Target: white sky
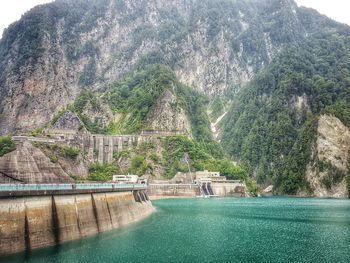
335,9
11,10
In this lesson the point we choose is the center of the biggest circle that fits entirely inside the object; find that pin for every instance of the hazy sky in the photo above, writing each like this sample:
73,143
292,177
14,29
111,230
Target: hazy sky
11,10
335,9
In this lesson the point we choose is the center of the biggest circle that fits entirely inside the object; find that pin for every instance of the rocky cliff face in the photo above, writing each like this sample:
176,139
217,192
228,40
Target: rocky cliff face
68,121
167,115
272,123
27,164
327,172
58,49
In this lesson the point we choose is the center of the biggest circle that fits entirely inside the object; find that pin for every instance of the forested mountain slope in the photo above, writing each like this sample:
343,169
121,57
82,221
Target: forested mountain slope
280,74
59,49
273,124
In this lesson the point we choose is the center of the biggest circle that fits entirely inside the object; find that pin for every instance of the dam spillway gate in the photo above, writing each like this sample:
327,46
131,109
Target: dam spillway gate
206,188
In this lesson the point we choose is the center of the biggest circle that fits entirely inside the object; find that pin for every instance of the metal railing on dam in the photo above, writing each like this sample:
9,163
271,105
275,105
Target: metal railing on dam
12,190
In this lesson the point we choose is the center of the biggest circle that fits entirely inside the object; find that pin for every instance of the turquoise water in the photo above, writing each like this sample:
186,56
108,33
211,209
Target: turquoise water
219,230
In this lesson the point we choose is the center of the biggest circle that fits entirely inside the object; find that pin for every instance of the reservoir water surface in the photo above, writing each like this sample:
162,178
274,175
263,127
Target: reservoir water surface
219,230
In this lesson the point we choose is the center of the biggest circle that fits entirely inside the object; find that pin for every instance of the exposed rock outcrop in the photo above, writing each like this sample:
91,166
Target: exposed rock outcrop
27,164
268,190
68,121
333,141
101,116
332,147
167,115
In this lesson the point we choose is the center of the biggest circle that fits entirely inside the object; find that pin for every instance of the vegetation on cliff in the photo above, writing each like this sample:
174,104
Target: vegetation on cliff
31,31
102,172
273,122
340,110
54,151
333,175
90,101
174,154
7,145
133,98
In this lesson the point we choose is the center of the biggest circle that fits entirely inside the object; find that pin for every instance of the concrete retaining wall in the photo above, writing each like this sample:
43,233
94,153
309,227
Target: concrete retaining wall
225,188
173,190
99,148
33,222
229,189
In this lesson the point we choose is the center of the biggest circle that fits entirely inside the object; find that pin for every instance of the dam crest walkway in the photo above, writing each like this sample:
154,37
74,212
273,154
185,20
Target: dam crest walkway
17,190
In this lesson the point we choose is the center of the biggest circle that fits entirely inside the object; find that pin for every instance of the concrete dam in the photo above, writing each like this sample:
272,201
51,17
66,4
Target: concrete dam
199,183
52,216
99,148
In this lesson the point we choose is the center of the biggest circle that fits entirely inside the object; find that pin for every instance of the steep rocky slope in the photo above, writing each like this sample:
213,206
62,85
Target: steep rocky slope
328,170
27,164
167,116
272,125
151,99
58,49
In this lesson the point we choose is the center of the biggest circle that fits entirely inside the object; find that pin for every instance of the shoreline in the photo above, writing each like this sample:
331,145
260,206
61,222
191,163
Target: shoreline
160,197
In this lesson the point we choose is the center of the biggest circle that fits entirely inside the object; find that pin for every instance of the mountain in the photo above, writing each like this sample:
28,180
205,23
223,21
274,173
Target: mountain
148,99
57,50
277,123
268,79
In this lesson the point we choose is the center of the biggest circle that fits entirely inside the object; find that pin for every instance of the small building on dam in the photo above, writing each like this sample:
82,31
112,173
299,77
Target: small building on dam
200,183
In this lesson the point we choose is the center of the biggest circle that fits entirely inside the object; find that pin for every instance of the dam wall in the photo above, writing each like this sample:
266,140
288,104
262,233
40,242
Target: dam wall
98,148
28,223
176,190
229,188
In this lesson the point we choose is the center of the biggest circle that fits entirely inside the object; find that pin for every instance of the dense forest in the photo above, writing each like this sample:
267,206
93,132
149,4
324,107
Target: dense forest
268,131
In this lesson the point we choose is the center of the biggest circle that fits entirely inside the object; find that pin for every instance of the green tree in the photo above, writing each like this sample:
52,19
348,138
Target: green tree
7,145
